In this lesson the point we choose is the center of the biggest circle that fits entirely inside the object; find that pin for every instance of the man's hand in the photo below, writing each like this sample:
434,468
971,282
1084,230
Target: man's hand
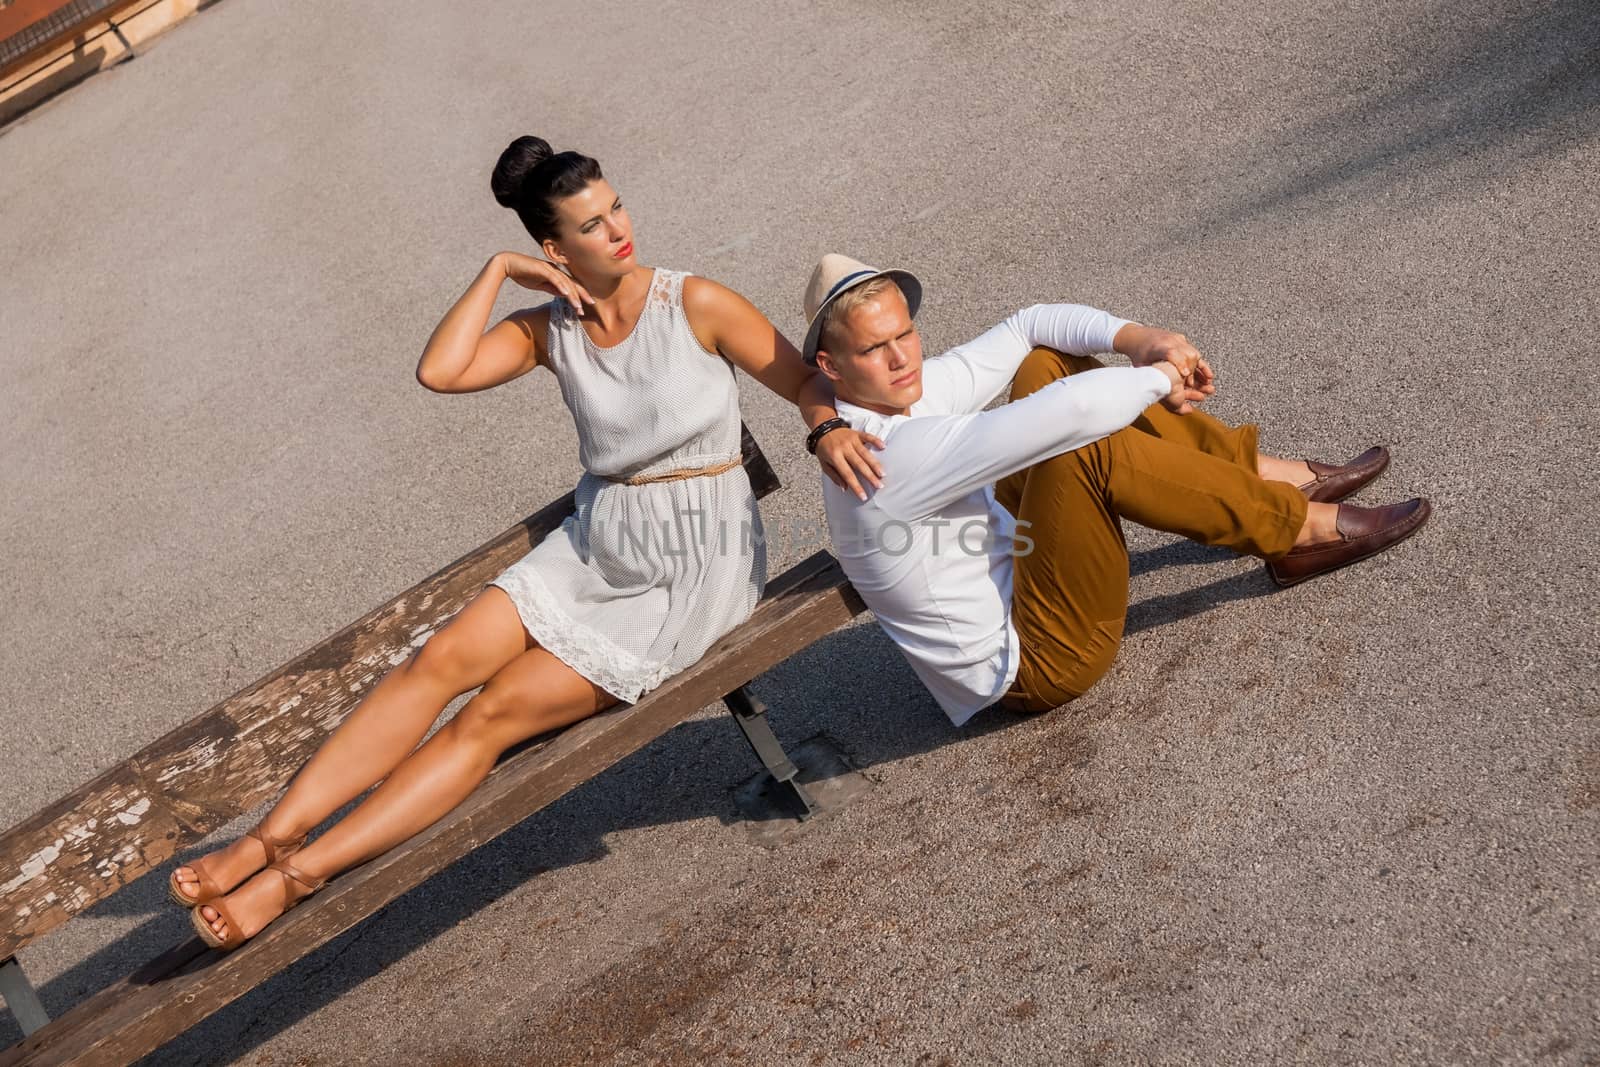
844,454
1183,396
1146,346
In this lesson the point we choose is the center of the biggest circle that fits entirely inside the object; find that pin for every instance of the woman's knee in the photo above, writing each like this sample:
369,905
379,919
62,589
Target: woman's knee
482,638
497,719
513,707
447,659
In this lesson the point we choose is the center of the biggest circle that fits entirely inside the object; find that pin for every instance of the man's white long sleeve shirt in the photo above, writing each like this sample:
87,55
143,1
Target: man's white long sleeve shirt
931,552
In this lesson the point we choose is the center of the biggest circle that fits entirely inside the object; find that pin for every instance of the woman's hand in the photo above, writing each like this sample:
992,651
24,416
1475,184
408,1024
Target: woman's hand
844,454
544,277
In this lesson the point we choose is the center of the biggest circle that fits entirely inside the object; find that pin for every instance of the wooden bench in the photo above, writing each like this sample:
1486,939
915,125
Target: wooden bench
31,29
135,817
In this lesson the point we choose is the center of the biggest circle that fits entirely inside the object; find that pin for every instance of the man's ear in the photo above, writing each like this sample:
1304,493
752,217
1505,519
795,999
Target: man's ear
552,251
825,365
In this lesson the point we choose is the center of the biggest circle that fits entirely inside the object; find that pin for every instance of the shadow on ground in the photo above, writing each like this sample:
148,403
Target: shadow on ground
1481,90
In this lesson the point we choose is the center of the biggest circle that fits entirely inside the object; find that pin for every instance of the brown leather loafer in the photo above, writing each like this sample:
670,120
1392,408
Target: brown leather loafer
1363,532
1332,484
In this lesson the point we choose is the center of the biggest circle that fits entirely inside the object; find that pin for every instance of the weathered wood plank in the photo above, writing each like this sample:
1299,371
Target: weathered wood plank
231,759
763,479
188,983
31,29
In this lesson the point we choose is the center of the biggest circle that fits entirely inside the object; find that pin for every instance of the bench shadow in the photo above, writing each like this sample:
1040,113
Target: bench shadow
689,773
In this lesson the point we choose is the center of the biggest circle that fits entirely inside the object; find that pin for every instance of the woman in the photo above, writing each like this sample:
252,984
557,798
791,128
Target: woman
662,556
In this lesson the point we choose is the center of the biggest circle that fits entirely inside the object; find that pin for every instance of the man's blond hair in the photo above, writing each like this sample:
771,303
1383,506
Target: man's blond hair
848,301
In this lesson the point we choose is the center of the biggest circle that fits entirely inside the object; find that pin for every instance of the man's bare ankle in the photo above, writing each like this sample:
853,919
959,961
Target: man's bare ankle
1278,469
1321,525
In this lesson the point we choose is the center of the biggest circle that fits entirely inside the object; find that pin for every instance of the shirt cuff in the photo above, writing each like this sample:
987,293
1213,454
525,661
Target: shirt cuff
1159,383
1112,325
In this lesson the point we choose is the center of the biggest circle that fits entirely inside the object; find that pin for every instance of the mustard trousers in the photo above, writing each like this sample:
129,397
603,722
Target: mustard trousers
1186,474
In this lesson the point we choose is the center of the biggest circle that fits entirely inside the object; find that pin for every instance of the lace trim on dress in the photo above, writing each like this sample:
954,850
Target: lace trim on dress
659,293
666,293
584,649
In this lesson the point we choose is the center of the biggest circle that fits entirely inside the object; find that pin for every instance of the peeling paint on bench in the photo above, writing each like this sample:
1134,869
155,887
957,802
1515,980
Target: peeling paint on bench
226,762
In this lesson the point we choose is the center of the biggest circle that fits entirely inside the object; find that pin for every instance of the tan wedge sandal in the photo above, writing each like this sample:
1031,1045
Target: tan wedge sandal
209,889
290,873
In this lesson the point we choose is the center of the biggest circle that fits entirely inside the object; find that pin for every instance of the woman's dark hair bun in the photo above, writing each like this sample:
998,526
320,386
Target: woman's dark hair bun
519,158
529,178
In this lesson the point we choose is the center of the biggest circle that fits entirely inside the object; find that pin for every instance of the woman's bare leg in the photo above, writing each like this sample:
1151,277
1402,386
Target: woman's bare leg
534,693
483,637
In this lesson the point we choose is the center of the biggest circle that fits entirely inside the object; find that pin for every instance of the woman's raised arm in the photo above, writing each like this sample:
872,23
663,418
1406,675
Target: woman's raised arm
461,358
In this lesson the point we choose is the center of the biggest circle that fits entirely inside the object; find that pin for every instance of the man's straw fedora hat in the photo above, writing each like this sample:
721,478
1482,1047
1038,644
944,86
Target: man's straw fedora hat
836,274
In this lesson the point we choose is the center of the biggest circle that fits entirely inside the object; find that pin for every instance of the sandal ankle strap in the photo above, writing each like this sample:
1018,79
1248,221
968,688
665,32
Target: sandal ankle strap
289,870
271,844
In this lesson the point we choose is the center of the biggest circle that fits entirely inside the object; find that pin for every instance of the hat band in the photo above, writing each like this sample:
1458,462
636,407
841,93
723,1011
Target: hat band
846,280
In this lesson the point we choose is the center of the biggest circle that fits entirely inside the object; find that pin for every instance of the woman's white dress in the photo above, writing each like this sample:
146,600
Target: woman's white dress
641,579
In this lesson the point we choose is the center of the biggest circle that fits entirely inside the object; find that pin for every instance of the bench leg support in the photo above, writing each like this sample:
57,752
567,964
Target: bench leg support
751,715
20,997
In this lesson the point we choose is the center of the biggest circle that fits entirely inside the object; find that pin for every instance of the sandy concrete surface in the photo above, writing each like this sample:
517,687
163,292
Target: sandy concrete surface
1353,822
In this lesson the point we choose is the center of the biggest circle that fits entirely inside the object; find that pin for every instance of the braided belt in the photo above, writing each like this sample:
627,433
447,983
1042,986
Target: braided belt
677,475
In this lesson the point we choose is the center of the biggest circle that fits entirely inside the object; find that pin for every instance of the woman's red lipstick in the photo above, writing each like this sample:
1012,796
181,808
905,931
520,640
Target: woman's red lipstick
624,252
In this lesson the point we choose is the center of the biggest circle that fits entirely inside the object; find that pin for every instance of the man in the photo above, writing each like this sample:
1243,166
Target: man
991,550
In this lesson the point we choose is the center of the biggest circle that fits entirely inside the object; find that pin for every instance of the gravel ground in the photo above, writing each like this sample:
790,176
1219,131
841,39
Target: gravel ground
1353,822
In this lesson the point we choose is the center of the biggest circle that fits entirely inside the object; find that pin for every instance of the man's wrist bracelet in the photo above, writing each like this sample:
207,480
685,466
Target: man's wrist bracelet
823,429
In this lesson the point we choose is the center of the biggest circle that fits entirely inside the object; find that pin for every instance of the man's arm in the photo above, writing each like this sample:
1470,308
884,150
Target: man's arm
934,460
969,376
